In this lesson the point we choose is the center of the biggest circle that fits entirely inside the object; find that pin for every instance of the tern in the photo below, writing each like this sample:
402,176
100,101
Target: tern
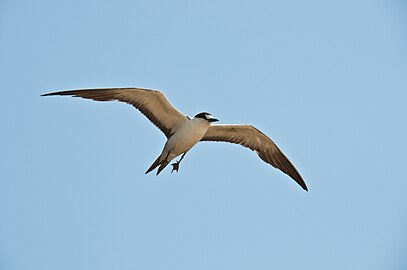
183,132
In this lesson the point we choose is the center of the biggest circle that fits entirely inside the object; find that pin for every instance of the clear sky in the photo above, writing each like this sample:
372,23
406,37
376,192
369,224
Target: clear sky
326,80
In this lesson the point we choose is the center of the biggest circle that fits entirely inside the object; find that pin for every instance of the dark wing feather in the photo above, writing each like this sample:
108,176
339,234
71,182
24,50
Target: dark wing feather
250,137
151,103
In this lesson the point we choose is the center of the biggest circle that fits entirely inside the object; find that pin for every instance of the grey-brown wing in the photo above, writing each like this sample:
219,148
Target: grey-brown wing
151,103
252,138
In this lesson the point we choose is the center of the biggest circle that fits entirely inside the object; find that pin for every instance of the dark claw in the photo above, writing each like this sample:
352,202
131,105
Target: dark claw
175,166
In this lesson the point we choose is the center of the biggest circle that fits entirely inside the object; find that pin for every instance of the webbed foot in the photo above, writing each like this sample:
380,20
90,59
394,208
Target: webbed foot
175,167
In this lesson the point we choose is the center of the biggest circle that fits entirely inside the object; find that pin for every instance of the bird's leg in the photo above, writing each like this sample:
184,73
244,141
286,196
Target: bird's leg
175,166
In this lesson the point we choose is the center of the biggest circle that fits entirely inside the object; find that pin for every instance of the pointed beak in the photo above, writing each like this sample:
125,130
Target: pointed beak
213,120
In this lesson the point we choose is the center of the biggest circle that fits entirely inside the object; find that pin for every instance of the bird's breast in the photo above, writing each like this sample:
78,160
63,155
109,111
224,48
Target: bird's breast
187,135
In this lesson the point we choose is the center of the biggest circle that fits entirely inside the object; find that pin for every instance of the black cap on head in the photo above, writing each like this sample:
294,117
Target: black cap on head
206,116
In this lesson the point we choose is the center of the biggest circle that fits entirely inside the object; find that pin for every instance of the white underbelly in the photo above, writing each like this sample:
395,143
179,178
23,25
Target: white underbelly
184,139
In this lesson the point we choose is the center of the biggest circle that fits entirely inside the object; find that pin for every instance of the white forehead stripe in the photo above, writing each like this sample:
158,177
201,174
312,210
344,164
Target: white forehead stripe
208,116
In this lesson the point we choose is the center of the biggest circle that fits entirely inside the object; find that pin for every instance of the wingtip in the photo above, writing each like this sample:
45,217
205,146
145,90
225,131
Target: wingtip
50,94
301,183
304,186
62,93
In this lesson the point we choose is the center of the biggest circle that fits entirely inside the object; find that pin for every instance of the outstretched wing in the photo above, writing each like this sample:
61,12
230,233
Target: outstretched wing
151,103
252,138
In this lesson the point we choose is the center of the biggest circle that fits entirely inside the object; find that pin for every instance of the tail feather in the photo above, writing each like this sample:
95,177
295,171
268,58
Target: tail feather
155,165
163,164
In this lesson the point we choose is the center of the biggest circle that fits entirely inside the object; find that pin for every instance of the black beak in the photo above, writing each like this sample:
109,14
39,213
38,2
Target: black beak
213,120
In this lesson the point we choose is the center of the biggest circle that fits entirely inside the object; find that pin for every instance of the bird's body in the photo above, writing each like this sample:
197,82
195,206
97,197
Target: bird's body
183,132
190,132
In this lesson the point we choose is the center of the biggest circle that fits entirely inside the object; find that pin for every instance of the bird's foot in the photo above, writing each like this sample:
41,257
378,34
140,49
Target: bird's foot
175,166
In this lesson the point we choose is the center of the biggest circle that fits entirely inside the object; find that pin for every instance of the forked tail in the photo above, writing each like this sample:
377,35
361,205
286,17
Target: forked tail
157,163
162,166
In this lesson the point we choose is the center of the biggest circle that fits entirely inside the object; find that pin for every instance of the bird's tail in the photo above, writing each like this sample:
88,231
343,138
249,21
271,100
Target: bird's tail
157,162
162,166
154,165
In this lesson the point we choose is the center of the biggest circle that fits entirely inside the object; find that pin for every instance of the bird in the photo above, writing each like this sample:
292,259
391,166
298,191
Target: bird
183,132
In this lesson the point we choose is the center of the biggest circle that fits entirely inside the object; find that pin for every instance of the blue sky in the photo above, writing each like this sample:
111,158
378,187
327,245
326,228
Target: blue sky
326,80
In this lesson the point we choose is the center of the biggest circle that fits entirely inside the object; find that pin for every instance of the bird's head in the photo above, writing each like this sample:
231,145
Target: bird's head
206,116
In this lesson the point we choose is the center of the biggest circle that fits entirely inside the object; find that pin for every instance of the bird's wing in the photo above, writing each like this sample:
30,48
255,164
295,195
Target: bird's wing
252,138
151,103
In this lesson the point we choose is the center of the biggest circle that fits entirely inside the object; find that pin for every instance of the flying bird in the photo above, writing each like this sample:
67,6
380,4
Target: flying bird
183,132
